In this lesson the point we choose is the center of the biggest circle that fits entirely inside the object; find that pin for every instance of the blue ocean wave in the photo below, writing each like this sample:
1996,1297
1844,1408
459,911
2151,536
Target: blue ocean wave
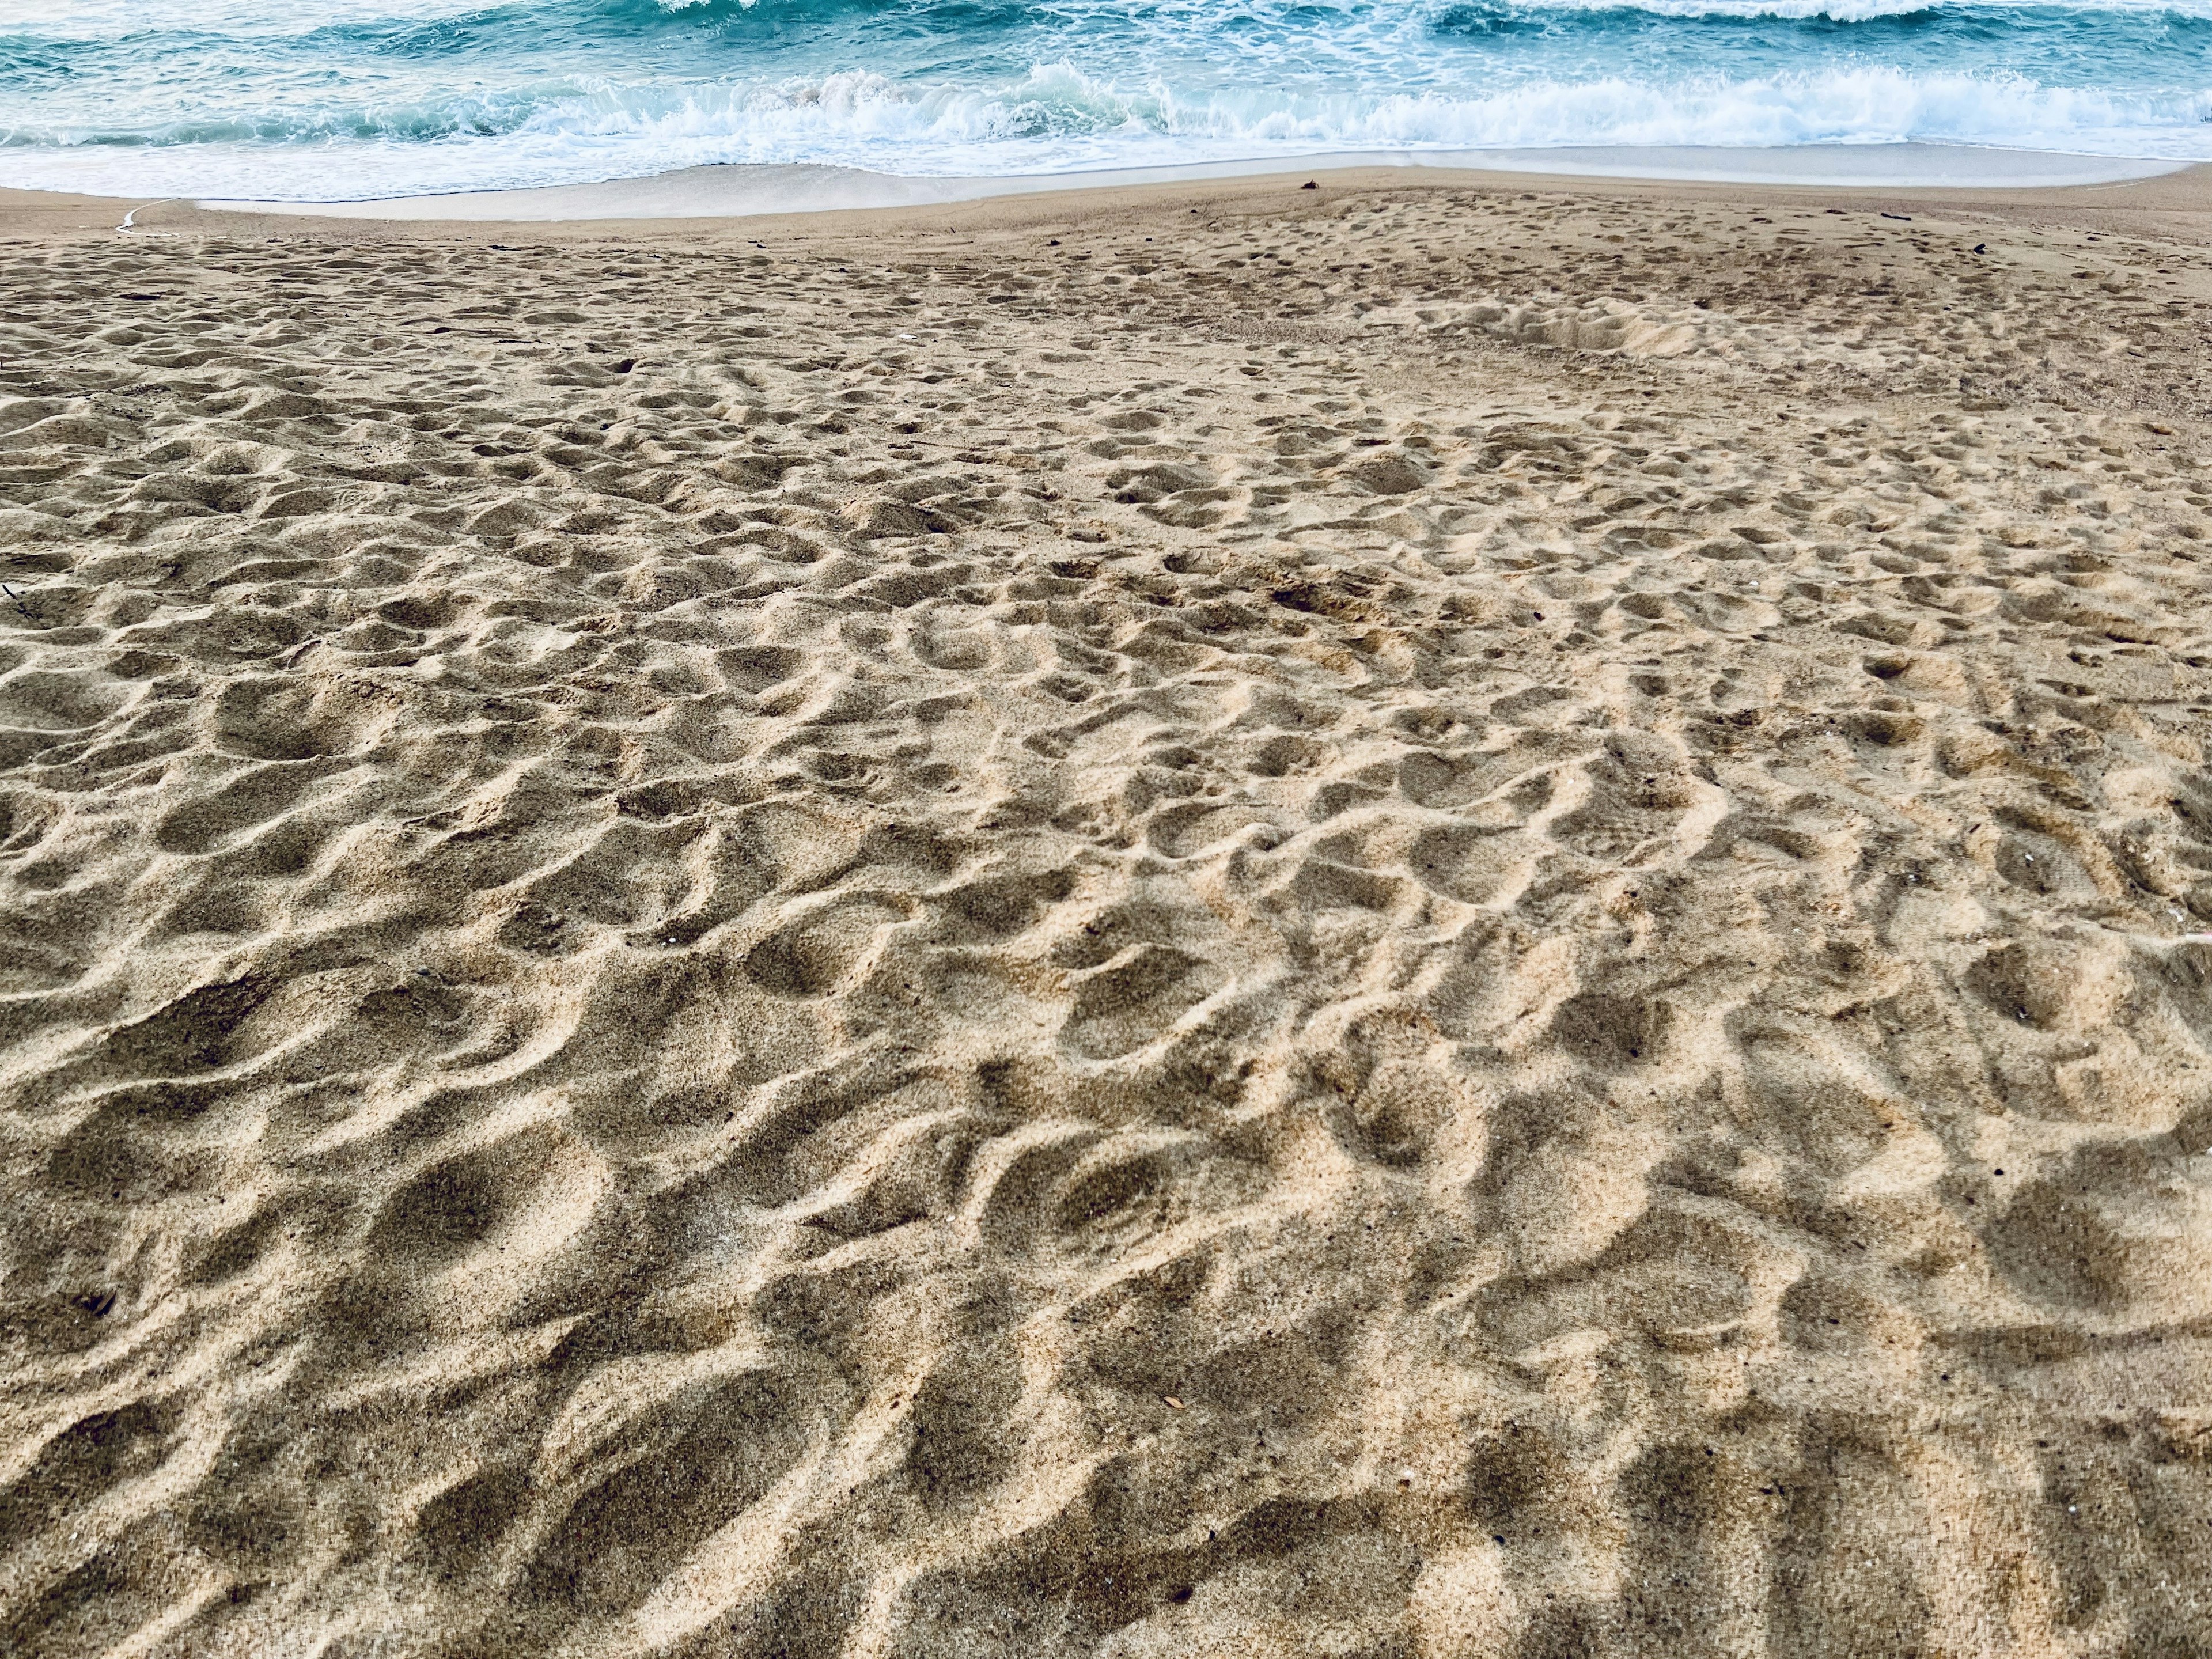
376,97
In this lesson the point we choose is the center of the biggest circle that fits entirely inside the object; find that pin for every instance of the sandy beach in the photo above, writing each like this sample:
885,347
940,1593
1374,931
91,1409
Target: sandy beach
1398,918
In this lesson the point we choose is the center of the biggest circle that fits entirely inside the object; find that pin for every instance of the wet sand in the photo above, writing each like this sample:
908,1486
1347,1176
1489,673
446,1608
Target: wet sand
747,191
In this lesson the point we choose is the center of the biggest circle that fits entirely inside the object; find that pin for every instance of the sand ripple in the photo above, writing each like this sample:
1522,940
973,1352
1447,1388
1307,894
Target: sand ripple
1059,947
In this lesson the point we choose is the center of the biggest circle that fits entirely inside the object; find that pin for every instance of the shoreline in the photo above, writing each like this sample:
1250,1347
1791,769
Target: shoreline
704,205
741,190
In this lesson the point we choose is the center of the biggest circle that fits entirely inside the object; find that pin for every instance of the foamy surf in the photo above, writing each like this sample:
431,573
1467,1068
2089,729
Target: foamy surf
275,100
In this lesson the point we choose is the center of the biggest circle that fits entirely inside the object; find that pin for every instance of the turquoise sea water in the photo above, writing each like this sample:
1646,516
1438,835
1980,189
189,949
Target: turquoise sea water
332,99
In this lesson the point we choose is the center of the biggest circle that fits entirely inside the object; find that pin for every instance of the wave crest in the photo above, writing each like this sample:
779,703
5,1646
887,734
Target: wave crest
399,96
1837,11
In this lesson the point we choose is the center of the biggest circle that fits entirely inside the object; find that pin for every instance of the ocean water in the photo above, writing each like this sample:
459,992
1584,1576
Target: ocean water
353,99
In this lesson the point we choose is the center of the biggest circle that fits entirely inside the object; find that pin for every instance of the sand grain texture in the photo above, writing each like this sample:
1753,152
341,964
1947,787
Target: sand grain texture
1416,922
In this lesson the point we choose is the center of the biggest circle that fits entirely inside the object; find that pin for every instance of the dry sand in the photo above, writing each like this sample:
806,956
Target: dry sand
1426,918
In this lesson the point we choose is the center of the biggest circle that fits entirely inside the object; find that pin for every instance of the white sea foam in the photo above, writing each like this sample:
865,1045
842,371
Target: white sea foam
374,97
92,20
1058,119
1860,11
249,19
